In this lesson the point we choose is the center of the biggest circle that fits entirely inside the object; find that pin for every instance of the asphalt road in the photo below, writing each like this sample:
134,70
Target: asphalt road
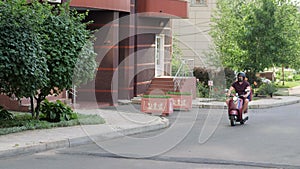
201,138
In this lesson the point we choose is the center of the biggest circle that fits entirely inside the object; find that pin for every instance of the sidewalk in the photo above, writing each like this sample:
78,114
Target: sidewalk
117,124
255,104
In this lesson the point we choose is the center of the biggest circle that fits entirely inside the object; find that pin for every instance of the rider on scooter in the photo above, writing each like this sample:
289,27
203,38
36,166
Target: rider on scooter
242,87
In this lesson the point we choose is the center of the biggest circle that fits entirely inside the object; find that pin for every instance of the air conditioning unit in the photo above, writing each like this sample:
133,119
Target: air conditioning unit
54,1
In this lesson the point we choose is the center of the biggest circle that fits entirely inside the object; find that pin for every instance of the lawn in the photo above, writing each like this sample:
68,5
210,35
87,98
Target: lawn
288,84
24,121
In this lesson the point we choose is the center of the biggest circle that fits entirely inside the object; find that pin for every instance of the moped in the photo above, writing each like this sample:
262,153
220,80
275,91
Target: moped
235,107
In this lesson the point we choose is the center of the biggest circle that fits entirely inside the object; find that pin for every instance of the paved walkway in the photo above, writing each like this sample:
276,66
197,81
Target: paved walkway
117,124
255,104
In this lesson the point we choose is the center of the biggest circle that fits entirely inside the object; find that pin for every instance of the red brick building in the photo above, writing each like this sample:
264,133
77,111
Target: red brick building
134,40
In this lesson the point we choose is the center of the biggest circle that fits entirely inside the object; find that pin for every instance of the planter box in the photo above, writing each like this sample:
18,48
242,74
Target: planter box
182,102
161,106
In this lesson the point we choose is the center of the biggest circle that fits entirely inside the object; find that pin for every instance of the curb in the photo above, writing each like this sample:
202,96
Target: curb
72,142
264,106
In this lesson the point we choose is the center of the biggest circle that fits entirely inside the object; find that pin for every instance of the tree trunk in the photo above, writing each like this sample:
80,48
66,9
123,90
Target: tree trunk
32,106
282,68
39,100
37,109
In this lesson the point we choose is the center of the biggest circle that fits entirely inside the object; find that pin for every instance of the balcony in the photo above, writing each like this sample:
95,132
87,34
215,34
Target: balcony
114,5
163,8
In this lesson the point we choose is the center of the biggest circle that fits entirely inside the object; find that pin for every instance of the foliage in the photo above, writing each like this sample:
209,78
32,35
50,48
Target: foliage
254,35
22,67
5,115
202,74
157,96
266,89
39,47
202,90
230,76
288,84
24,122
57,111
179,93
296,77
176,56
64,37
85,65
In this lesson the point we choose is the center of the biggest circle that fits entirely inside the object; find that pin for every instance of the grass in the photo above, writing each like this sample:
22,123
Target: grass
288,84
24,121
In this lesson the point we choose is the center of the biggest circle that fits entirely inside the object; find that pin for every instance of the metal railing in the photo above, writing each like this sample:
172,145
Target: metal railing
185,70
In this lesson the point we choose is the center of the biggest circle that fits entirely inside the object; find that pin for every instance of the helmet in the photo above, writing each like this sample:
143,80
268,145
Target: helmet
241,74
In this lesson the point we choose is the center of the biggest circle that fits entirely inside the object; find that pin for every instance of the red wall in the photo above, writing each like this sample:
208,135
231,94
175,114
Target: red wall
115,5
176,8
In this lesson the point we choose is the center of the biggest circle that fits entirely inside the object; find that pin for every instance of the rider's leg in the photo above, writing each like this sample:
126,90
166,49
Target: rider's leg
245,106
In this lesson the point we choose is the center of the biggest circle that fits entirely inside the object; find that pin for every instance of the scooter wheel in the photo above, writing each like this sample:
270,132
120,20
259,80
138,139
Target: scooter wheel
232,120
242,122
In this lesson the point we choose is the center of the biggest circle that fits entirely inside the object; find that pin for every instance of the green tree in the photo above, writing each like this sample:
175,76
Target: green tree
40,46
85,67
64,35
22,68
86,64
254,35
176,56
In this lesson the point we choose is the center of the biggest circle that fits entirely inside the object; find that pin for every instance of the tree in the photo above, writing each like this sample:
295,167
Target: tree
22,68
176,56
85,67
40,45
254,35
64,34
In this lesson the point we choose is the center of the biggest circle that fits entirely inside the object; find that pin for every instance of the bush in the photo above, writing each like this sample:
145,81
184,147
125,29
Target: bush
229,76
5,115
157,96
202,75
179,93
57,111
267,89
202,90
296,77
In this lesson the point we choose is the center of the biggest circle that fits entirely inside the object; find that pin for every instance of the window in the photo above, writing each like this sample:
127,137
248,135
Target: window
199,2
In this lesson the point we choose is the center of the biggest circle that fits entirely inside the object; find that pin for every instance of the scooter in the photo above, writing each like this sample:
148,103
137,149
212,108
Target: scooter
235,108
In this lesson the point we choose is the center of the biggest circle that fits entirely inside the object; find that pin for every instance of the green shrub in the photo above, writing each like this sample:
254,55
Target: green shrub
202,90
179,93
57,111
297,77
156,96
266,89
5,115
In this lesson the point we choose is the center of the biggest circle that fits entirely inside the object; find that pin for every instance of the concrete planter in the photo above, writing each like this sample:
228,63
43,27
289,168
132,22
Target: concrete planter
161,106
182,102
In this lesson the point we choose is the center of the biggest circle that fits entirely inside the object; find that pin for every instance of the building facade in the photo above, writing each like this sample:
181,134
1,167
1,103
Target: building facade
133,44
193,33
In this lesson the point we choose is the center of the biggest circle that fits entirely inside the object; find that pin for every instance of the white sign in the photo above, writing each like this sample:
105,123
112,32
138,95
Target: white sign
210,83
55,1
